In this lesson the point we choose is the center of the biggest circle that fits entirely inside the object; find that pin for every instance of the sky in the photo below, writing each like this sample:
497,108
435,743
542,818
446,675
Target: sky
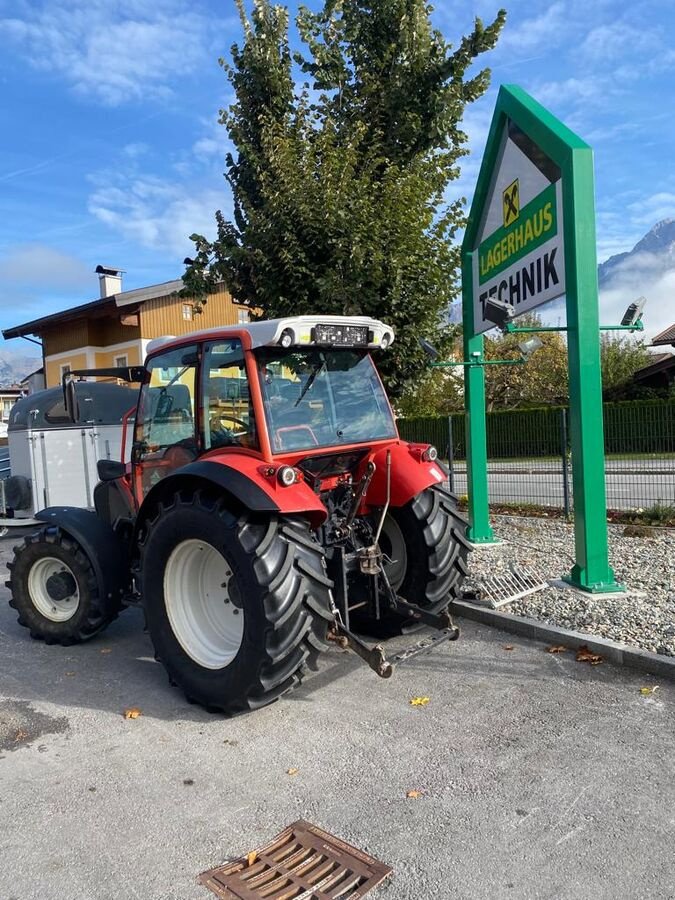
111,150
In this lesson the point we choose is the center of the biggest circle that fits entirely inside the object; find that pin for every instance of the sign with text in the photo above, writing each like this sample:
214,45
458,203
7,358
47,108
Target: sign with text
518,257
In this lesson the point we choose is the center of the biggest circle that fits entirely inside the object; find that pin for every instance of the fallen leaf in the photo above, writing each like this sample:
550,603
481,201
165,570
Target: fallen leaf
106,650
292,771
414,795
132,713
556,648
419,701
70,673
508,647
251,857
649,690
586,655
20,735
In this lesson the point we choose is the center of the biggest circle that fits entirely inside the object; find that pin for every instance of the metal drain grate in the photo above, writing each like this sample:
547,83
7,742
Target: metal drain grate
507,586
302,863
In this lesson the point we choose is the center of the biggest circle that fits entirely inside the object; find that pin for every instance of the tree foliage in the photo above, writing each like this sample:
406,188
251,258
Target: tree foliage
339,184
621,358
542,381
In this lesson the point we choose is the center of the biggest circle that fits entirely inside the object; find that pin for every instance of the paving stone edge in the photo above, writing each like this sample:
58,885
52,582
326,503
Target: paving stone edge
619,654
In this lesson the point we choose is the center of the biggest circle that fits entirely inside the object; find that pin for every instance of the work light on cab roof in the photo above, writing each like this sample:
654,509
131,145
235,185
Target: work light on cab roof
322,331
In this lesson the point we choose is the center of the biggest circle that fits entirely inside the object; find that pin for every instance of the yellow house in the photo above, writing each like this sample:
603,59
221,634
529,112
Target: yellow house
115,329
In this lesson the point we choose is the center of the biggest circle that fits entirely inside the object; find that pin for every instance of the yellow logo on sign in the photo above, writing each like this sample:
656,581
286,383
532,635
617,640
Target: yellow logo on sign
511,203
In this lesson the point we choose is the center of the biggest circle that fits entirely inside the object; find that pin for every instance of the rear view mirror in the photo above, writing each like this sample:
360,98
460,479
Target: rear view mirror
70,400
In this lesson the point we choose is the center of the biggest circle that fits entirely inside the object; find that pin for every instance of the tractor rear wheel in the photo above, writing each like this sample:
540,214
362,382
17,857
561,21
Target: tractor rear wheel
54,589
236,607
426,543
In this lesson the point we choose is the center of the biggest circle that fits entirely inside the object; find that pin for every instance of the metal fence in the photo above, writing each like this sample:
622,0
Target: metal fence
530,462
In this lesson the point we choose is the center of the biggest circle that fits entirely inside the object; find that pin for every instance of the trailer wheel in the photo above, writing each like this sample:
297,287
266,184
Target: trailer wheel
237,608
54,589
425,539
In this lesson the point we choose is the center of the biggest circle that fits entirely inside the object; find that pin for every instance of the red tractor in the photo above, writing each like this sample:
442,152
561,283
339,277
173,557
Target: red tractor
269,508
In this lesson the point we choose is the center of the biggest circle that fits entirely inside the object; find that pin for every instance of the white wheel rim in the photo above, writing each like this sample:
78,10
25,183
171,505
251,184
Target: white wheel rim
203,618
394,546
54,610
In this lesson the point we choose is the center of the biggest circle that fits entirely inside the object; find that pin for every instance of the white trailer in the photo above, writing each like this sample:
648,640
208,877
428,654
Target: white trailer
52,460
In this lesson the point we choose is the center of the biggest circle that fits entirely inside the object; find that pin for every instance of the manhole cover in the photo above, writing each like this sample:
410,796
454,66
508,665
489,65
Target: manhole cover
302,863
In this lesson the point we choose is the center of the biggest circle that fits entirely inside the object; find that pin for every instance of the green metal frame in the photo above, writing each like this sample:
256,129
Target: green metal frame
510,328
591,571
481,362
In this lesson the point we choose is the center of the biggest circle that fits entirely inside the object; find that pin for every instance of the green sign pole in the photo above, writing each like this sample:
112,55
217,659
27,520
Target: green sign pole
479,530
591,571
530,238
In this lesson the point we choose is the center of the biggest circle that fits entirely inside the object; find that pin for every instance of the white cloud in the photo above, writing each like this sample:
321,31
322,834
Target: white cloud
618,41
113,50
653,209
659,289
41,266
539,32
155,213
133,151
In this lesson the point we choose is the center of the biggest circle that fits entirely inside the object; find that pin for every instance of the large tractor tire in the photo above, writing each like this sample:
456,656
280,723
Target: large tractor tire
54,589
426,541
237,607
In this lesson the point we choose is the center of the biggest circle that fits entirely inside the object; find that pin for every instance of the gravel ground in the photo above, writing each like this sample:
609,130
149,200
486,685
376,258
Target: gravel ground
644,616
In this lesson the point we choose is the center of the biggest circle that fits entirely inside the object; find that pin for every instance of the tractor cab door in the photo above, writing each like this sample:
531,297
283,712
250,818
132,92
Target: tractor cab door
166,435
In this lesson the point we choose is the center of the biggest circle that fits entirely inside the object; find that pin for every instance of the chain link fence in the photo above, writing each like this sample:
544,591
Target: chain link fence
529,460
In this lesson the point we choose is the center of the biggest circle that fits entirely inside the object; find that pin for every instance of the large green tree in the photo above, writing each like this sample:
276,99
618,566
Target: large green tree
344,157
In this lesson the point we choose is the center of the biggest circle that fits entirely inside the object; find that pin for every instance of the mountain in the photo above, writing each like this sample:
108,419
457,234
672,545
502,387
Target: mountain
650,258
15,366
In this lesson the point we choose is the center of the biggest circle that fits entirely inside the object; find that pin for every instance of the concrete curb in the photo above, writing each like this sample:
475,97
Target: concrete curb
619,654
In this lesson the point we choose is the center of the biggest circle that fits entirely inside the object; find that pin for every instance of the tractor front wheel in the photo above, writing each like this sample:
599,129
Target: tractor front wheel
54,589
236,606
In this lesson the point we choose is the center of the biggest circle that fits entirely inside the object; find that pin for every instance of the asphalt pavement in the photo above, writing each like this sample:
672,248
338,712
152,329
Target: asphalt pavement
539,776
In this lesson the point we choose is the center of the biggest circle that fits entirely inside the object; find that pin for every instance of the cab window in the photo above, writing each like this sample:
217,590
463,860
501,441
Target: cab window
228,414
166,436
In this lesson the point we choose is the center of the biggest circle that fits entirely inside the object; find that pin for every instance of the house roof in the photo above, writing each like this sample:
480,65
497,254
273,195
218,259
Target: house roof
660,362
666,337
95,308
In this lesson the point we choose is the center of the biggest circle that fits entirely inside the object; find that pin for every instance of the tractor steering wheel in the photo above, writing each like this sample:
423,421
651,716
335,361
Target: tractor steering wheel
222,435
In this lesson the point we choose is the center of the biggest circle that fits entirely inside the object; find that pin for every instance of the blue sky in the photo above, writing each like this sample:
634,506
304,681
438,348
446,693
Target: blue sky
111,151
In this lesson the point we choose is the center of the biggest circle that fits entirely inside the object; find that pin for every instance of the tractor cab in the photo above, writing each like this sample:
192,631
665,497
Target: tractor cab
267,389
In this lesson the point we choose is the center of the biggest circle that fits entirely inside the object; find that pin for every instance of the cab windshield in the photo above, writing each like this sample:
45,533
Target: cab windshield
321,398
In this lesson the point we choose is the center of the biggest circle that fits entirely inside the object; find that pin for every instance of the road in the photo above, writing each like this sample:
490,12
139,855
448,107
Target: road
540,776
545,487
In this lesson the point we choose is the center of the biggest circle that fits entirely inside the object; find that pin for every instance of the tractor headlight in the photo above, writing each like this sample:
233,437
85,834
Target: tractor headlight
287,338
287,476
430,454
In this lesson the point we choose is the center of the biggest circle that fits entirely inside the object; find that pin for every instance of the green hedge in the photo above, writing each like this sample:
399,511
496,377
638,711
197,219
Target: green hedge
635,427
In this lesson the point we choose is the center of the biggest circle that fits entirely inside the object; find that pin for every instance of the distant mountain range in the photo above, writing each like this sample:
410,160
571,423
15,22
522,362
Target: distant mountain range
15,366
650,258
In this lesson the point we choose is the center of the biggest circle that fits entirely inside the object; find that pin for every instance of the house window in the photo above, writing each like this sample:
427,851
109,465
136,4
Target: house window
242,316
187,312
121,361
64,369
